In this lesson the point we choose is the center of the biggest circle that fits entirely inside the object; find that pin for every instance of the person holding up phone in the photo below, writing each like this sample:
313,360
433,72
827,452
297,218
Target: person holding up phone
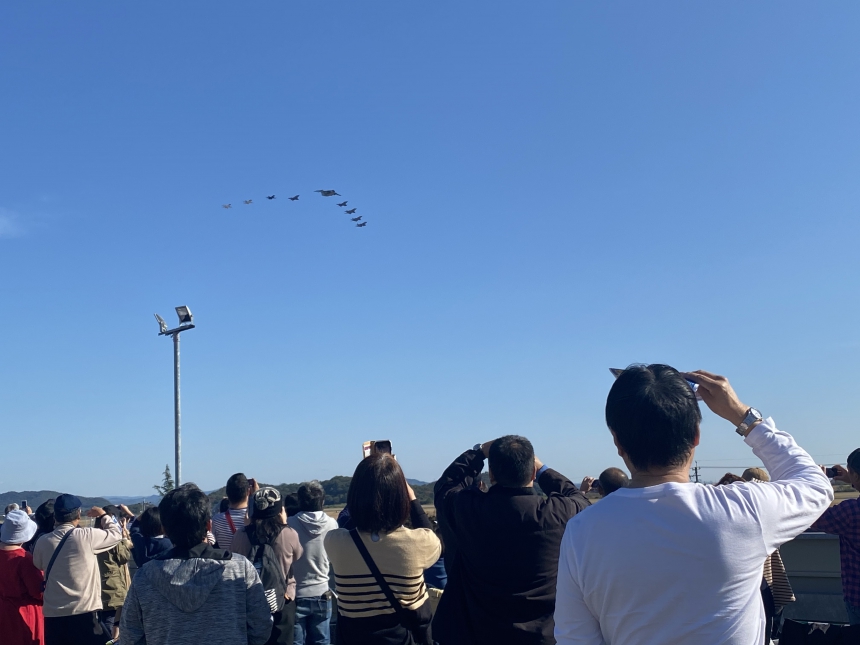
844,520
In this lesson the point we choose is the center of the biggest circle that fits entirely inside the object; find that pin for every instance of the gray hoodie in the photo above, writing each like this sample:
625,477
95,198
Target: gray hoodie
204,595
312,570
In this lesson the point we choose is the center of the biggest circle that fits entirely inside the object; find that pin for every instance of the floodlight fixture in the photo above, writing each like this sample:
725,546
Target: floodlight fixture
161,323
185,316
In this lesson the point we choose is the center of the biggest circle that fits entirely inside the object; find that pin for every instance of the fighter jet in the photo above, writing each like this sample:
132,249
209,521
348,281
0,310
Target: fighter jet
270,196
294,198
355,219
342,204
351,211
226,205
328,193
362,224
248,201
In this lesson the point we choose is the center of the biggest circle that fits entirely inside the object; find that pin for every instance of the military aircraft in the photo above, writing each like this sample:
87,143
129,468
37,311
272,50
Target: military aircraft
342,204
361,224
328,193
355,219
294,198
226,205
270,196
248,201
351,211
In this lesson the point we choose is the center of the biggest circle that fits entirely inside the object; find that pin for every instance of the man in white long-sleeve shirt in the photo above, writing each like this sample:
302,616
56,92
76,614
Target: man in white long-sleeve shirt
668,561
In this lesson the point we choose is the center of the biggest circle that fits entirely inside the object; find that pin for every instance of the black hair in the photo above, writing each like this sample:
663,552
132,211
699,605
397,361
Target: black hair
612,479
44,516
378,497
238,488
66,518
512,461
111,509
150,522
311,496
653,412
291,503
224,505
185,513
853,462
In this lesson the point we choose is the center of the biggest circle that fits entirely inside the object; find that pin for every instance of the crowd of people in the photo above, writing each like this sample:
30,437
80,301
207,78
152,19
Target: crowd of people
658,560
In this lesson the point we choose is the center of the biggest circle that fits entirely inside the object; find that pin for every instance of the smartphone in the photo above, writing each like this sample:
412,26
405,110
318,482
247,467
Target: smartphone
252,483
831,473
616,372
370,447
24,505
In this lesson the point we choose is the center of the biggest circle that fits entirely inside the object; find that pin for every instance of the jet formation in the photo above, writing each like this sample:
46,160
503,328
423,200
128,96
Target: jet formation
324,193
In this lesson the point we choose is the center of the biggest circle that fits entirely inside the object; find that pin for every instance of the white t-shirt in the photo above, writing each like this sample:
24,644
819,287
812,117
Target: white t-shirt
677,564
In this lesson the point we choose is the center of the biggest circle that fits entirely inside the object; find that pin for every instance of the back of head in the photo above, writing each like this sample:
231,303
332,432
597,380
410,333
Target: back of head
612,479
224,505
512,461
238,488
378,497
291,503
10,507
150,522
654,414
67,508
112,509
311,496
44,516
755,473
729,478
268,505
853,462
185,513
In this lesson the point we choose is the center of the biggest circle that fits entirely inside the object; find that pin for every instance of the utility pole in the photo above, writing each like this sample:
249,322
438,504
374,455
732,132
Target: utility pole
696,472
185,322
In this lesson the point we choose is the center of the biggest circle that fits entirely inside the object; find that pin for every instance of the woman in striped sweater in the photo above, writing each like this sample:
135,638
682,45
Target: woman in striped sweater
380,500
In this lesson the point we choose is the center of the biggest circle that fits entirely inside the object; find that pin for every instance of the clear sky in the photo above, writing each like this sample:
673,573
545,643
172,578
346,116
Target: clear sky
551,188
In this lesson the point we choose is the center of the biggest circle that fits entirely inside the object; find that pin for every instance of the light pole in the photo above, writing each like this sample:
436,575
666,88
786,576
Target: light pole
185,322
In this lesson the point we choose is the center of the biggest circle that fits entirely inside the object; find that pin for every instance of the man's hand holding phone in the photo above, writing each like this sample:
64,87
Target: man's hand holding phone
587,484
718,395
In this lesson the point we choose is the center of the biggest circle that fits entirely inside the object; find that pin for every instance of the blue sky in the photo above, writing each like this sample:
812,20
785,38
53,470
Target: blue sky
552,189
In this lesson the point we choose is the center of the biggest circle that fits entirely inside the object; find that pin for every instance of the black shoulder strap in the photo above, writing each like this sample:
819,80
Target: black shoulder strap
54,556
380,580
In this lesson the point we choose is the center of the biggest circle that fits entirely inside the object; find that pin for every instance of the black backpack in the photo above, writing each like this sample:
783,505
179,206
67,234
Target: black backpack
269,569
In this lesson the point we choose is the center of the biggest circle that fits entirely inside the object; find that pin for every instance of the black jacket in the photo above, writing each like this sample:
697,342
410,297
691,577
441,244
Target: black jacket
502,583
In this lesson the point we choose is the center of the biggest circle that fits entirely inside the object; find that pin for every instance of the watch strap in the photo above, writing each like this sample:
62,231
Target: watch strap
751,417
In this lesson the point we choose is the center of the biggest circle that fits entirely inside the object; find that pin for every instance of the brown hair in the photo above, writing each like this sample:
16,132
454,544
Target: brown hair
378,497
755,473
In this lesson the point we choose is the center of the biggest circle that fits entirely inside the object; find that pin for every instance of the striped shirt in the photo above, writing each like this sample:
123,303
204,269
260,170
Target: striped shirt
221,529
401,556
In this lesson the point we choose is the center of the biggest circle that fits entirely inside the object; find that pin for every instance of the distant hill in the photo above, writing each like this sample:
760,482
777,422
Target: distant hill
36,497
131,499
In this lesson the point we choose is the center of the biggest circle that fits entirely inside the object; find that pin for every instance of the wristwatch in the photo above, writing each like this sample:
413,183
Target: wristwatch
751,417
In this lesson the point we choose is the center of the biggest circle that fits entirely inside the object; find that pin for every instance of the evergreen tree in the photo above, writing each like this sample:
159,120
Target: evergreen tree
167,483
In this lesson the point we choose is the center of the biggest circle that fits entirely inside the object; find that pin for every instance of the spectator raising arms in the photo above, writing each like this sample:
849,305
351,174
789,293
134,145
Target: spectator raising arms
502,585
73,595
21,621
225,524
844,520
379,565
273,547
668,561
194,594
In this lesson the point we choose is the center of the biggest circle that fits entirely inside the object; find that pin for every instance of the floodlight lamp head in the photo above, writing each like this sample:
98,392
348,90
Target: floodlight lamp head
161,323
185,316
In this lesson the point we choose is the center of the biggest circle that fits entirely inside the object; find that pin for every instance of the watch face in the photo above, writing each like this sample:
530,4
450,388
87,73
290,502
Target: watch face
755,413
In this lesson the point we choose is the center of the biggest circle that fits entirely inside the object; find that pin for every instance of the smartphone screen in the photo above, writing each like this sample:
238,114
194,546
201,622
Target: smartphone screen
383,446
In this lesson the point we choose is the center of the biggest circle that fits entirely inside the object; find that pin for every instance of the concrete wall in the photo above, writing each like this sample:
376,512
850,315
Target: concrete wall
813,566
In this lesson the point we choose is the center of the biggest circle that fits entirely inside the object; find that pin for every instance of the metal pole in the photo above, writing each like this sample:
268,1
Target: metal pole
178,466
